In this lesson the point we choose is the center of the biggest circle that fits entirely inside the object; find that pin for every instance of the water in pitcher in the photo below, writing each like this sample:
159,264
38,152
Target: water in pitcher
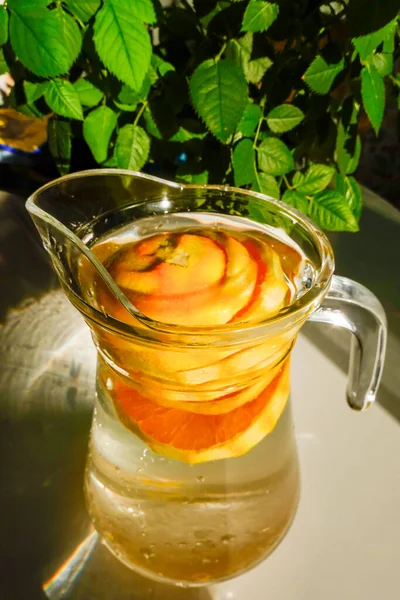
192,474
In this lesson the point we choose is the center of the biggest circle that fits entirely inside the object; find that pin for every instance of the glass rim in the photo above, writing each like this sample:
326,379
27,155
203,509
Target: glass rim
308,302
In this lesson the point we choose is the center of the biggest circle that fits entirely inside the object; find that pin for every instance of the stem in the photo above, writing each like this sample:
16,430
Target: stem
289,187
257,132
140,112
221,51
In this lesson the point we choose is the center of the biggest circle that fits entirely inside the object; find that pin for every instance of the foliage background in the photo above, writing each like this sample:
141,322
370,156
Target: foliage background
267,96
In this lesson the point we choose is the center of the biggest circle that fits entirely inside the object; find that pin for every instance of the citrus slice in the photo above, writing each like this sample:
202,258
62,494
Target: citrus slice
195,438
188,403
197,279
216,405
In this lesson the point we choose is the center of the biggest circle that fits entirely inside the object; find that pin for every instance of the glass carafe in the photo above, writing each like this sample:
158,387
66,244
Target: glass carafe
168,501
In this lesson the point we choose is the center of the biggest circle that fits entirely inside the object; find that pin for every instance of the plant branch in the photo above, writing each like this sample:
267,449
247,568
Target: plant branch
220,53
286,180
140,112
258,132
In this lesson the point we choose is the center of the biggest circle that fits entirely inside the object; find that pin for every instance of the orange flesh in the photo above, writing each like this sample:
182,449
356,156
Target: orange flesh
185,430
197,437
197,280
203,278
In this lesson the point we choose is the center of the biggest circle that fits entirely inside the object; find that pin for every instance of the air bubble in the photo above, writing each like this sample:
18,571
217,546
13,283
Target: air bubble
227,539
146,553
144,454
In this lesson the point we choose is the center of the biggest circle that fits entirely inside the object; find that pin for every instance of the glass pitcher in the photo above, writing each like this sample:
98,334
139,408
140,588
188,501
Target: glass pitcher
192,473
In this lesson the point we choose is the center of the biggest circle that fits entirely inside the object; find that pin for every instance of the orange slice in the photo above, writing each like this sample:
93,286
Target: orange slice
181,401
218,404
195,438
197,279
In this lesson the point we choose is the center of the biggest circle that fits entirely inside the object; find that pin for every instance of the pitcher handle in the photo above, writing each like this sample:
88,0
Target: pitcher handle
352,306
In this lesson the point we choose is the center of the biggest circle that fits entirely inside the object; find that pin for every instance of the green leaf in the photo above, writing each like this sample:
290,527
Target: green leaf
330,210
59,138
316,179
248,123
296,199
274,157
122,42
266,184
259,15
46,42
284,118
34,91
373,95
27,5
240,52
353,196
125,107
298,178
366,44
3,65
97,129
320,75
143,10
383,63
160,123
192,174
219,95
3,25
110,163
200,178
160,65
389,41
254,69
151,126
128,99
346,162
83,9
28,111
63,99
132,147
89,95
152,74
189,130
244,158
128,96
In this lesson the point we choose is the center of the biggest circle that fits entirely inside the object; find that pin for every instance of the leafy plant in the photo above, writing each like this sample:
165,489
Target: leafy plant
264,95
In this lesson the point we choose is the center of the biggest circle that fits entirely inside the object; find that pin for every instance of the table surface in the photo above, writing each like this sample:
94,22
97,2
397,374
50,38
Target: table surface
345,540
